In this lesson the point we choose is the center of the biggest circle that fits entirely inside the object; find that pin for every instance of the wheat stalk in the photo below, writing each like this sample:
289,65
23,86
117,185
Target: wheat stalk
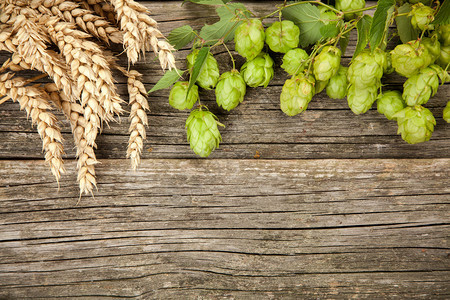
33,100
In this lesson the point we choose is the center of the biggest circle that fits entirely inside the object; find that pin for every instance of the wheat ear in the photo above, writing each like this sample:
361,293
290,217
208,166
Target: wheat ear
33,100
100,7
85,19
89,66
86,162
138,117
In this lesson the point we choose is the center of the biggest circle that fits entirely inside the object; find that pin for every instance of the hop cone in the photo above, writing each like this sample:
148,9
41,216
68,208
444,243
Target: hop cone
320,86
409,58
415,124
327,63
337,86
444,34
444,57
209,75
364,70
433,46
249,38
389,103
345,5
178,99
419,88
327,16
258,71
422,16
282,36
202,132
446,113
230,90
294,61
297,92
360,100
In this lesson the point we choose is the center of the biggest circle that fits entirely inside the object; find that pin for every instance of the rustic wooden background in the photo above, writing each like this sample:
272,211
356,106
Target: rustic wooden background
322,205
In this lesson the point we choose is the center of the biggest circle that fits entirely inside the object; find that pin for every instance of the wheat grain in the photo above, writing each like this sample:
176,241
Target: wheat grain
33,100
30,42
85,19
138,117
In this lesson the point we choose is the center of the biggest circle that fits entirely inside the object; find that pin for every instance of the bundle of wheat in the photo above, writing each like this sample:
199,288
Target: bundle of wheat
81,70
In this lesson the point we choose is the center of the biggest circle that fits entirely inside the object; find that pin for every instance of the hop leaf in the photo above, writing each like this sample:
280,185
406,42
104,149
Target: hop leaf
258,71
446,113
230,90
202,132
415,124
389,103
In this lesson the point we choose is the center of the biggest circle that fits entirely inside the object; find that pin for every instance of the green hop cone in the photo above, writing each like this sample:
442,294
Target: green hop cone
328,16
320,86
433,46
360,100
444,57
337,86
178,99
202,132
364,70
426,2
409,58
389,103
209,75
346,5
282,36
296,94
230,90
415,124
444,34
422,16
327,63
446,113
258,71
249,38
294,61
419,88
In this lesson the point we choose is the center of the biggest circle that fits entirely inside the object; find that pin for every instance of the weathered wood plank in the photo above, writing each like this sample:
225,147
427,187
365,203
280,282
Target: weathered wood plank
228,228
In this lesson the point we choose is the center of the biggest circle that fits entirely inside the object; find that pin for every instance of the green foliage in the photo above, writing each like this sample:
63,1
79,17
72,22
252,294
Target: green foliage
226,26
169,78
307,17
181,36
404,27
363,27
380,22
198,66
443,15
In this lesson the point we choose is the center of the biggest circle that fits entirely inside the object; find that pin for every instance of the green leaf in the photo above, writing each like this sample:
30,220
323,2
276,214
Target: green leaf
307,18
226,26
198,66
443,15
363,28
169,78
181,36
343,42
380,23
405,30
329,31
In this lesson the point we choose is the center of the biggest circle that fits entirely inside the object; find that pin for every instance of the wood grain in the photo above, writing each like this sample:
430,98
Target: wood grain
229,228
336,207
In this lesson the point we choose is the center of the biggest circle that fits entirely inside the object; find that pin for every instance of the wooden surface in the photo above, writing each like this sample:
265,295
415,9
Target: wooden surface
337,205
